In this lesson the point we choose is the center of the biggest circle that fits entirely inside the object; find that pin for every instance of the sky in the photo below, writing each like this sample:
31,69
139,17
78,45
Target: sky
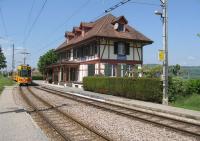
21,25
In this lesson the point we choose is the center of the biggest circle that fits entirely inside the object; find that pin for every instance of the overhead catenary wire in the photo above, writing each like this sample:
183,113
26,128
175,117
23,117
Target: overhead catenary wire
116,6
64,23
75,12
3,22
145,3
72,15
126,1
112,8
102,14
29,17
35,21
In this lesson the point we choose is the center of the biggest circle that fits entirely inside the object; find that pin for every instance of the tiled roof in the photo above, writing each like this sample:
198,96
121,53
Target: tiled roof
103,27
118,18
86,24
70,34
76,29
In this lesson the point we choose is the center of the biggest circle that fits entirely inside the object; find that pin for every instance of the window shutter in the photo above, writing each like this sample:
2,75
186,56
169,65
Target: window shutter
127,48
91,69
108,69
115,47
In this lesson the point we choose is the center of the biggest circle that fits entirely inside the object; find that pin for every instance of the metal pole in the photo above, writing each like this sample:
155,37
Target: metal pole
165,47
13,58
24,59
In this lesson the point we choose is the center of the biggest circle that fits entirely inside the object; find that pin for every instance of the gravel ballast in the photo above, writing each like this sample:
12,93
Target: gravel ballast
117,127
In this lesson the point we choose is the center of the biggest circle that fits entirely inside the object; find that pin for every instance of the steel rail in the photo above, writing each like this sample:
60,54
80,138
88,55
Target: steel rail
121,109
71,117
43,116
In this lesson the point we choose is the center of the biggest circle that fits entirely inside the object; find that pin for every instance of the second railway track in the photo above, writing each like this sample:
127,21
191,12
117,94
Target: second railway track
160,120
66,126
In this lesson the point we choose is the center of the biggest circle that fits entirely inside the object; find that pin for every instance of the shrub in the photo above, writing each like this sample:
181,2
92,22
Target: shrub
193,86
181,88
177,87
37,77
147,89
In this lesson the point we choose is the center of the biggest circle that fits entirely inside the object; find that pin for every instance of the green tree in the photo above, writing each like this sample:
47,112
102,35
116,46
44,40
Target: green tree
198,35
153,72
2,60
48,58
175,70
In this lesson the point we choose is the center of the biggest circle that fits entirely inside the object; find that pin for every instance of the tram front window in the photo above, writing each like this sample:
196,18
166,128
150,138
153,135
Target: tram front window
25,73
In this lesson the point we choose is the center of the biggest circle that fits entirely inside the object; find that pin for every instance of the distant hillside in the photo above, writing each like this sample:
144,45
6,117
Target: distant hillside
193,72
188,72
150,65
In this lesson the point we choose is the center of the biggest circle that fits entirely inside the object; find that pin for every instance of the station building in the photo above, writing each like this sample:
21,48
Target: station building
107,46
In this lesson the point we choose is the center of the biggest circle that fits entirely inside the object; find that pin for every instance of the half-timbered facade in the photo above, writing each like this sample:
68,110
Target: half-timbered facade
107,46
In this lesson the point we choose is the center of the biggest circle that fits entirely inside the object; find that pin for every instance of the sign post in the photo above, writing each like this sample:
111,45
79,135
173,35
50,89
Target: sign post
161,55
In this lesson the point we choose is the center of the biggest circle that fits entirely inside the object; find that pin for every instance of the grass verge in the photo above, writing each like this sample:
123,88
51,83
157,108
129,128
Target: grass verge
5,81
191,102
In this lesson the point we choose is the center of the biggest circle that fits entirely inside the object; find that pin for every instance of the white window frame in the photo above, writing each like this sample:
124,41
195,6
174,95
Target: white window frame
121,49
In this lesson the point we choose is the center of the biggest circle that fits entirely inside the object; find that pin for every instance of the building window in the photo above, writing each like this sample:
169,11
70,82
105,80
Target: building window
108,70
62,73
113,70
68,54
75,53
121,48
120,27
91,69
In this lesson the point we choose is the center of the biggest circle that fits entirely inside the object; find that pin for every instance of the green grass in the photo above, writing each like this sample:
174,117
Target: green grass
191,102
4,81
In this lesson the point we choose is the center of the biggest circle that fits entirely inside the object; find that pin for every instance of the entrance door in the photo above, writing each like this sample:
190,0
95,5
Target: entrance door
73,74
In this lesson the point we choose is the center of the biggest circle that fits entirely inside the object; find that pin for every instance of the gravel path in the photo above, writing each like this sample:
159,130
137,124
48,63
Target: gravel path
115,126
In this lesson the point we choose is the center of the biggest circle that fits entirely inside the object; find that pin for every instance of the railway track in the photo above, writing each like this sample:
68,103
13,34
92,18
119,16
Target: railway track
187,127
66,126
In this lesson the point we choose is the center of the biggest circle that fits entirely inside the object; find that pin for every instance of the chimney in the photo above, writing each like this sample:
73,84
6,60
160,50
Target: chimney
83,32
69,35
66,34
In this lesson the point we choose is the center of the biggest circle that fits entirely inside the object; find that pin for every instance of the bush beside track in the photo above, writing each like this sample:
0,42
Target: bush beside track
146,89
37,77
180,87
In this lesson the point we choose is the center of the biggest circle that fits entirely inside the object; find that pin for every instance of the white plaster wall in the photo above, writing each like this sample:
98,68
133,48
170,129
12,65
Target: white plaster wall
105,52
59,75
112,55
130,56
71,55
96,68
83,71
102,66
136,56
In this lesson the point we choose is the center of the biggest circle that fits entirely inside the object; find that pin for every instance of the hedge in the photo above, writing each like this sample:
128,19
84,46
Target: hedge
146,89
37,77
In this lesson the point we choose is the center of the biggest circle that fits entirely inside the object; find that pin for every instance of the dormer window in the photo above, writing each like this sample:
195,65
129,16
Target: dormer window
77,31
119,24
120,27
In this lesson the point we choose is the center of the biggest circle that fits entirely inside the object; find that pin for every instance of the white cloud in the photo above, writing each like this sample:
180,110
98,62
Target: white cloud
191,58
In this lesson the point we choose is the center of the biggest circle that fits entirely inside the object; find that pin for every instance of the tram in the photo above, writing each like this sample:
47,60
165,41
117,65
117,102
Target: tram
23,76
